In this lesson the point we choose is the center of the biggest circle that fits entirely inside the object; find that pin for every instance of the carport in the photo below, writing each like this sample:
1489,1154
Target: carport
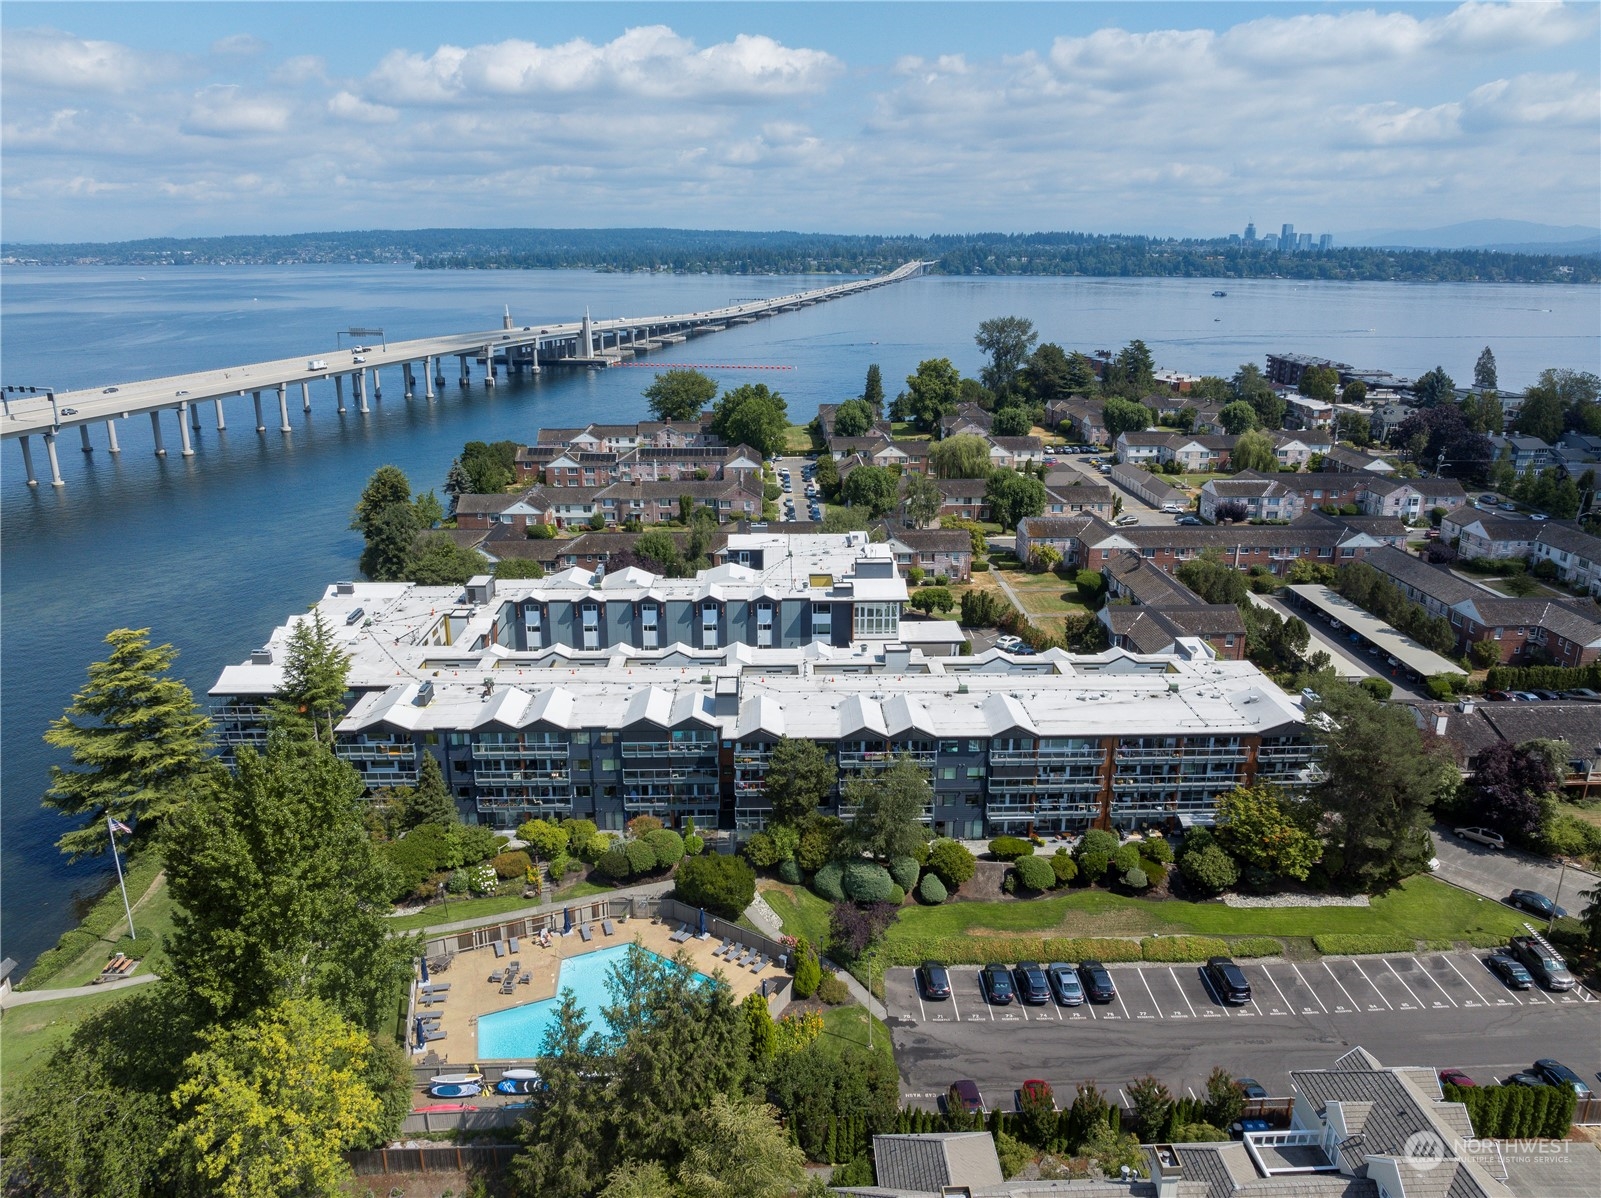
1423,662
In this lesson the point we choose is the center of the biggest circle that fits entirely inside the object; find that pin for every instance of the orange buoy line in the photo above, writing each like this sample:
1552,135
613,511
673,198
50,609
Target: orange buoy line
701,366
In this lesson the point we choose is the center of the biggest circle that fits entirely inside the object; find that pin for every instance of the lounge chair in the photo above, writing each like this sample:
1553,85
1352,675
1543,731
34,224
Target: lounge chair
744,958
585,933
500,949
681,935
730,947
498,976
759,963
514,944
430,1037
435,987
608,927
526,979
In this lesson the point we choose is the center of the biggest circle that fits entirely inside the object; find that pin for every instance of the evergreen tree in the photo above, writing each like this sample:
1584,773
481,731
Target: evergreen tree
388,487
429,802
312,693
567,1148
457,484
1484,371
136,737
873,391
387,556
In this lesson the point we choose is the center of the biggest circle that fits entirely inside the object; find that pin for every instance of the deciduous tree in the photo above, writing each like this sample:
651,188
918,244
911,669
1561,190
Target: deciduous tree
889,811
752,415
137,739
875,488
923,500
1013,497
962,456
1007,340
1121,416
800,776
1258,826
1237,417
1255,451
931,392
680,394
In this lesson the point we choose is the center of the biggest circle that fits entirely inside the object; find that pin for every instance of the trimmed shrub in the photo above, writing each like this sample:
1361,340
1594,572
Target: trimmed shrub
641,857
1210,870
762,851
952,861
1262,946
512,865
1094,853
543,838
1034,873
904,870
1064,867
808,970
1157,849
897,896
667,845
1484,940
789,872
640,824
694,846
590,850
614,864
931,890
1155,872
1126,857
832,989
826,882
1517,1112
1136,879
724,885
1354,944
1182,948
866,882
1010,848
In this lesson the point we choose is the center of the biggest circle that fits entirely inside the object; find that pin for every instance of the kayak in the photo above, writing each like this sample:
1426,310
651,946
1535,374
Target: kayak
522,1075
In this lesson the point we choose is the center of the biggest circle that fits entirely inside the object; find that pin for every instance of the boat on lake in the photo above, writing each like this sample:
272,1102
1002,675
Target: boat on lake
1220,293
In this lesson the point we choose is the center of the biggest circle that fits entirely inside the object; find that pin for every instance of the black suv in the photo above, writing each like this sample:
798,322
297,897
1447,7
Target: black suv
1228,980
1543,961
1030,981
1097,981
997,985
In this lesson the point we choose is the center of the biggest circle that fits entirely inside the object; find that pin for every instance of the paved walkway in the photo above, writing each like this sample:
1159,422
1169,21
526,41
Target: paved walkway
764,917
21,998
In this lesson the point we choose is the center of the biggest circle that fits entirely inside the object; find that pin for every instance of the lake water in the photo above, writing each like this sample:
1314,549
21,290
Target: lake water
213,551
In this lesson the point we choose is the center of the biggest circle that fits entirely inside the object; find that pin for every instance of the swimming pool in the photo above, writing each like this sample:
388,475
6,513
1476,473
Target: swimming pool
517,1034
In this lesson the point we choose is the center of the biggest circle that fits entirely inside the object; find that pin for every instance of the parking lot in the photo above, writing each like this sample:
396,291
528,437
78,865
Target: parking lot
1434,1009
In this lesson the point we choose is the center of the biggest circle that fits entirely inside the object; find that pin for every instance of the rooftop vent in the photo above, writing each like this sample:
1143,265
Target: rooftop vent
425,694
261,656
344,588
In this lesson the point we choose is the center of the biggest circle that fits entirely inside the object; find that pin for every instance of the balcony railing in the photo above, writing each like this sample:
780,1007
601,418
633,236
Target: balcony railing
376,752
663,748
881,760
496,777
490,750
1023,756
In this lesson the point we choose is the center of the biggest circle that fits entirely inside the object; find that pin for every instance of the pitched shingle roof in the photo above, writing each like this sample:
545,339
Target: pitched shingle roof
928,1163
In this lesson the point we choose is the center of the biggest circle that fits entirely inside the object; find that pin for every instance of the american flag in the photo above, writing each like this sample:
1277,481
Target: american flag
118,826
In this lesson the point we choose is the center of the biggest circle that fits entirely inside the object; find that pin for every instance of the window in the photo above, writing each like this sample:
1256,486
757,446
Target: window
822,621
764,625
947,773
591,626
708,626
532,622
649,632
877,619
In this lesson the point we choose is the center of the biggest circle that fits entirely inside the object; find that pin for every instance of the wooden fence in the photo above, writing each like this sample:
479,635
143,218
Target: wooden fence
435,1158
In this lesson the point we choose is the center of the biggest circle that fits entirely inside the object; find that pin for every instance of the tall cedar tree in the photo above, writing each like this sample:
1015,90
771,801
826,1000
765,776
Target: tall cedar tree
1484,370
873,391
1380,783
136,737
312,693
568,1147
800,776
277,889
430,801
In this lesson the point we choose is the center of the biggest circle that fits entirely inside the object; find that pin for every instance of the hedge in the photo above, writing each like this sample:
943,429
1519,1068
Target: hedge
867,882
1351,945
1182,948
931,890
1010,848
515,864
1256,946
1484,940
985,950
1034,873
826,882
1517,1112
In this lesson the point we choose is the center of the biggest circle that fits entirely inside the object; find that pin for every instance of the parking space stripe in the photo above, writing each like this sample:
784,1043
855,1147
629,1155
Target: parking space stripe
1433,981
1120,1003
955,1010
1212,991
1155,1006
921,1008
1465,981
1511,993
1355,1006
1182,995
1369,981
1409,988
1312,989
1288,1006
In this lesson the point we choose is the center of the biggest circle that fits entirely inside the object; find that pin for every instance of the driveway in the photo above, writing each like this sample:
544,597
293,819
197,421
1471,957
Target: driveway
1496,873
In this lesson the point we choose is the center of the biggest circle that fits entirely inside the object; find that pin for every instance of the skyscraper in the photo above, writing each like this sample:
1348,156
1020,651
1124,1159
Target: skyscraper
1303,243
1250,233
1325,242
1287,239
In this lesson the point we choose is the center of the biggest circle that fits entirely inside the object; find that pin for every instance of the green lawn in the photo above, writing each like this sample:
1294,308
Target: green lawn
801,911
33,1031
798,439
846,1027
1422,908
152,920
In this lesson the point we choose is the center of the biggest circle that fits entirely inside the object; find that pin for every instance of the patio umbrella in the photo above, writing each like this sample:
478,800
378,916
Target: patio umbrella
703,921
424,960
566,920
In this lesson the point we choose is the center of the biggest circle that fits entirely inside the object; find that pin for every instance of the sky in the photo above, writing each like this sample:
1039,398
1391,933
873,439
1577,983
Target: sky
137,119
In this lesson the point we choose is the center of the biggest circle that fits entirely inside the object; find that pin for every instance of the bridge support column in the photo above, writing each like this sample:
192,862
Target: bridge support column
55,466
377,385
194,416
27,460
489,365
356,381
428,378
283,409
466,374
155,431
305,397
261,425
83,432
339,391
406,380
183,430
111,435
222,421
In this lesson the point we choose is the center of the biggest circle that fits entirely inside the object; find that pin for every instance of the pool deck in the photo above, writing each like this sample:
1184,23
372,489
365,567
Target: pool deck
472,994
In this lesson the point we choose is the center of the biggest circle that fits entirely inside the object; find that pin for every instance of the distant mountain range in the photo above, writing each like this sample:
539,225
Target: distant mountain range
1506,236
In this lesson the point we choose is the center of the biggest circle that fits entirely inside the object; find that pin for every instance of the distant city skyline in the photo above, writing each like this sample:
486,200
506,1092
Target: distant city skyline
136,120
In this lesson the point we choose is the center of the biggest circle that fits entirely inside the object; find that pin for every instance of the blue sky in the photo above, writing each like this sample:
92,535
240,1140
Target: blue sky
131,120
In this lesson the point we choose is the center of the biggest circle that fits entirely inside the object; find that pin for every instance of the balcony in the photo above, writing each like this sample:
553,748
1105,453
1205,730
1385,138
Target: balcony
877,760
376,752
490,750
1026,756
665,748
1148,754
500,777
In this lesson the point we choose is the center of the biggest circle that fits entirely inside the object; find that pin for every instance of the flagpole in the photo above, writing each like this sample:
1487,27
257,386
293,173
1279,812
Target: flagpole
111,832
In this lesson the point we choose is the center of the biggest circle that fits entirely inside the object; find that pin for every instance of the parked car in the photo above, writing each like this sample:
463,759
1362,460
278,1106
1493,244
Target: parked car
1488,837
1065,984
1498,696
1008,643
1583,694
1228,980
1455,1077
1535,903
934,981
1558,1074
1524,1079
964,1096
1029,981
1173,507
1126,519
1037,1089
1251,1088
1510,970
1509,506
997,985
1543,961
1097,982
1188,520
1526,696
1548,696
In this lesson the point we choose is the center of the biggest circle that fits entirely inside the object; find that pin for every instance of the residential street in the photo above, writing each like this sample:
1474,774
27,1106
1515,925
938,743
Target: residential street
1495,873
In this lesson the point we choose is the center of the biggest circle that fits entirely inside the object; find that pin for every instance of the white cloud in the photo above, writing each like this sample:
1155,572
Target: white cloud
649,62
347,107
224,110
301,70
48,58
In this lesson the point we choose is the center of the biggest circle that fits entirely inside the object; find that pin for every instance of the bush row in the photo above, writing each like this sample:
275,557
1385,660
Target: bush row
1256,946
1355,944
1517,1112
1182,948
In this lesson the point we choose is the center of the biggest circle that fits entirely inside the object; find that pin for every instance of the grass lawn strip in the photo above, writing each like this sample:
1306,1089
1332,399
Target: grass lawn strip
845,1027
32,1032
457,910
800,911
152,919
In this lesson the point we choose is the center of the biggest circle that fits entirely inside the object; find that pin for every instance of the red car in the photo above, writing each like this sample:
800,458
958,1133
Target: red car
1037,1091
1455,1077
